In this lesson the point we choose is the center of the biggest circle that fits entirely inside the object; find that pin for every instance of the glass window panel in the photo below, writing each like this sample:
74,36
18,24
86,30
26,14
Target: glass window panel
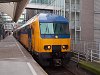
54,28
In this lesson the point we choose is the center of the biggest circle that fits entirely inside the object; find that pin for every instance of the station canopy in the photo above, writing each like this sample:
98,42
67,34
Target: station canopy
13,8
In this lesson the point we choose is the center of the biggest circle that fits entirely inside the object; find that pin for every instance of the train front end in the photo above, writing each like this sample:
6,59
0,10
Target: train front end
54,44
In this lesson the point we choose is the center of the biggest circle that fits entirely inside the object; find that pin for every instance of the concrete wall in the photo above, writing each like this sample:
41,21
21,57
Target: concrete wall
97,20
87,20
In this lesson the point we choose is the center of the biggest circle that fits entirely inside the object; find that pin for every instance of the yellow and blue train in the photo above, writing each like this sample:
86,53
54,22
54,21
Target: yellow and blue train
47,37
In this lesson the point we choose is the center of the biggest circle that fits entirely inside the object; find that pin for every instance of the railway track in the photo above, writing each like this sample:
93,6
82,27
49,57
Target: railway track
58,71
69,69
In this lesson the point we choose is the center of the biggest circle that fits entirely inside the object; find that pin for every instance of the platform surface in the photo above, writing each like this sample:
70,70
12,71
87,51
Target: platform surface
15,60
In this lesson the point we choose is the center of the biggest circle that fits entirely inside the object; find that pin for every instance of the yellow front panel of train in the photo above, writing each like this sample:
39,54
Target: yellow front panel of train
50,42
38,42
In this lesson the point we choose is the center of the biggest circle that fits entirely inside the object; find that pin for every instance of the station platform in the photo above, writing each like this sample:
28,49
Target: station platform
15,60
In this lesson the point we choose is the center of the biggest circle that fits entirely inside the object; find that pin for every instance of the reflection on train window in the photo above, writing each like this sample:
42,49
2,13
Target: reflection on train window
54,28
46,28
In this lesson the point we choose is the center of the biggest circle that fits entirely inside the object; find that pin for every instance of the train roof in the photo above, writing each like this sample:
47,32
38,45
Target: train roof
46,17
49,17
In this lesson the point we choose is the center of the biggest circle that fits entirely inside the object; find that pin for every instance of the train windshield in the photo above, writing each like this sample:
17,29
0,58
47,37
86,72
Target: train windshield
54,28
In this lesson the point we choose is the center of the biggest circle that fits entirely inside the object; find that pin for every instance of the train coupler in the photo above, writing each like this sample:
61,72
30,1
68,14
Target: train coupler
57,62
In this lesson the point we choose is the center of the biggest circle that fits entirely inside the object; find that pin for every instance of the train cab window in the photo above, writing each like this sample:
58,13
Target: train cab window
54,28
61,28
46,28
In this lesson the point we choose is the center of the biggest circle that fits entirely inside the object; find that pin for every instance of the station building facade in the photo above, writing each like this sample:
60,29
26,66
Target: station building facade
83,15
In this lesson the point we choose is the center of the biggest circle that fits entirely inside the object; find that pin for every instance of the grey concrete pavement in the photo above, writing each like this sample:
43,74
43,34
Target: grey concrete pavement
15,60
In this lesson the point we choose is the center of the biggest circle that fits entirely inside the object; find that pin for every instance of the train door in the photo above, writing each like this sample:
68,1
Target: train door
29,31
33,39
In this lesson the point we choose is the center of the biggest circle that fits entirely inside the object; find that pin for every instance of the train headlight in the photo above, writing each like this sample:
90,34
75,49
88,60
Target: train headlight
65,47
47,47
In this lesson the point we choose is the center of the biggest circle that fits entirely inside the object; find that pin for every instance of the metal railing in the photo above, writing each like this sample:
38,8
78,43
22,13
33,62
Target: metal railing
87,51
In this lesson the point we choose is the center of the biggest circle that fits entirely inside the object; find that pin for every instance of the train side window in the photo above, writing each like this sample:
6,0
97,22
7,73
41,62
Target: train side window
19,33
21,29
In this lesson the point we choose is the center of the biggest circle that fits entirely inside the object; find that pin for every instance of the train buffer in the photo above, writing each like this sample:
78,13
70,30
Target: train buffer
15,60
90,66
